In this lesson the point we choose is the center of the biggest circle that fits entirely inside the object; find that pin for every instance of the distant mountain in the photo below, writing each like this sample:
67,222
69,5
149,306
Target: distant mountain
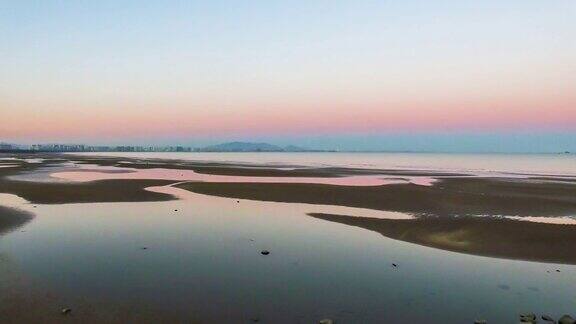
250,147
292,148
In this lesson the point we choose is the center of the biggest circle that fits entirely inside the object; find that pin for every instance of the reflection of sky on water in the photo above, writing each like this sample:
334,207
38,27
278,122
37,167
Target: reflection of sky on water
71,171
484,164
44,173
93,172
203,259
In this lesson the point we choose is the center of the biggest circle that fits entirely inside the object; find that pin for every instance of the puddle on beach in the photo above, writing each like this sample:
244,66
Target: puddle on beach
202,260
93,172
70,171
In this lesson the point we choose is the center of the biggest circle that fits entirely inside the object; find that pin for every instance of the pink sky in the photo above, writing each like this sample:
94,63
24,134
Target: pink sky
194,70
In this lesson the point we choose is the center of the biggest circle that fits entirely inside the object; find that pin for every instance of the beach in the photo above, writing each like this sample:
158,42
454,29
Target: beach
130,215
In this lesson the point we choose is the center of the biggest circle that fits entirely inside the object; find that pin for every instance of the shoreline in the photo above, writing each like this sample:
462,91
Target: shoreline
88,192
490,237
445,198
12,219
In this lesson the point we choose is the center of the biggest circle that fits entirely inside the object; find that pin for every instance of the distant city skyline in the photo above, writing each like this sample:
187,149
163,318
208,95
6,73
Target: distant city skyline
456,75
438,142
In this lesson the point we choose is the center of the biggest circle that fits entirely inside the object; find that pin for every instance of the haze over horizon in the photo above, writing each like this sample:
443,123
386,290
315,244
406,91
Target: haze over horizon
463,76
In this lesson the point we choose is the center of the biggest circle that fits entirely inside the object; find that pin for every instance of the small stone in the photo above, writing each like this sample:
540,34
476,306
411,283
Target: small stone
557,270
480,322
566,319
548,318
175,210
144,248
265,252
326,321
394,265
504,287
528,318
66,311
238,201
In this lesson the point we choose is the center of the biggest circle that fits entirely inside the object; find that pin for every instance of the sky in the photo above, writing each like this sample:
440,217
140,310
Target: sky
453,75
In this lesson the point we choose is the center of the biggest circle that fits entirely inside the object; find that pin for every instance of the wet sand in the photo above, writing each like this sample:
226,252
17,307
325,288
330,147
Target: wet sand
18,307
11,219
70,192
22,301
447,198
89,192
492,237
251,170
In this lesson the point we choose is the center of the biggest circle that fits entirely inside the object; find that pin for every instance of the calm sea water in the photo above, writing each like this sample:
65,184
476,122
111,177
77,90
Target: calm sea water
554,164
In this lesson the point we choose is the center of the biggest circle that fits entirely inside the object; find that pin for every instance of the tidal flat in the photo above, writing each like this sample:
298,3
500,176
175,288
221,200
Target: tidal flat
124,239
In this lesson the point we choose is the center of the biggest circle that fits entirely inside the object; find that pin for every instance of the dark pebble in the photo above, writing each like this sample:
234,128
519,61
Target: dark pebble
566,319
265,252
528,318
504,287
